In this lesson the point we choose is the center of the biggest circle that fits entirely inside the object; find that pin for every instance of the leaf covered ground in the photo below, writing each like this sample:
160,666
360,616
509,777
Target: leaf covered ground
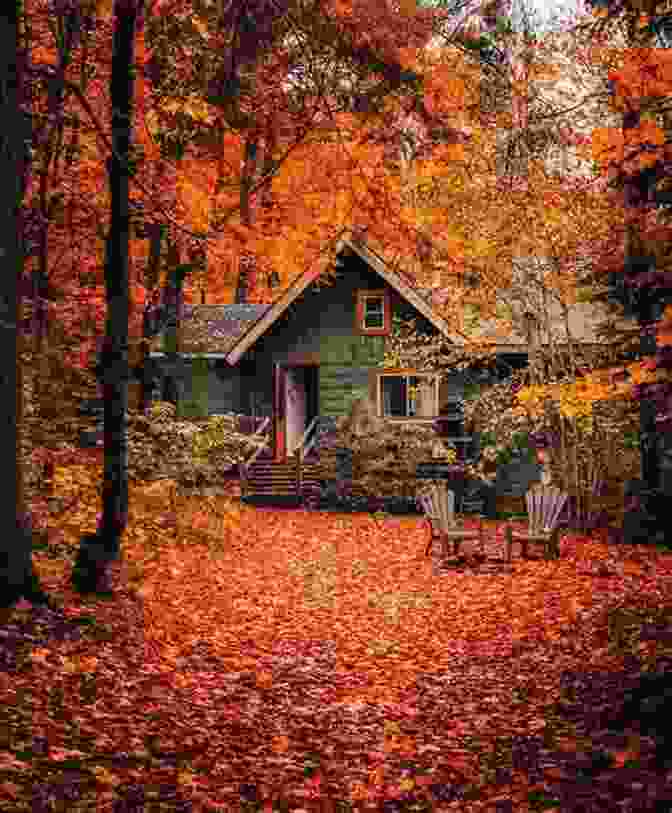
269,659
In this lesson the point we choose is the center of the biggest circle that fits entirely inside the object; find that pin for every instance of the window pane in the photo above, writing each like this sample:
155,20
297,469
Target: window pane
373,312
394,396
426,398
412,395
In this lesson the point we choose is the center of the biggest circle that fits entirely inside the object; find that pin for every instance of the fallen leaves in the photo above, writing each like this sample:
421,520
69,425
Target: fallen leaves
273,641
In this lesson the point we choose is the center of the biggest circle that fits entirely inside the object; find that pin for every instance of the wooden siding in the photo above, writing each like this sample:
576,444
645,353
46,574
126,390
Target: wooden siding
362,351
340,386
195,401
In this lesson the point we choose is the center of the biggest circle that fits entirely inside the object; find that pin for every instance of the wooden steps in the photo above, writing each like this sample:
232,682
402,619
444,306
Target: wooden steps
269,478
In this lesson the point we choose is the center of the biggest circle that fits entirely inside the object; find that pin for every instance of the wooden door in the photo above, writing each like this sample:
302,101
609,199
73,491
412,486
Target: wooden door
295,407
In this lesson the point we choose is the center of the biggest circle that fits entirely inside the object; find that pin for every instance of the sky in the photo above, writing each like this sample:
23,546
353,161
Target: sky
543,10
546,9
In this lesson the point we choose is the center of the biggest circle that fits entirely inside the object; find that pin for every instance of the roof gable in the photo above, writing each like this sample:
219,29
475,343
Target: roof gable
303,281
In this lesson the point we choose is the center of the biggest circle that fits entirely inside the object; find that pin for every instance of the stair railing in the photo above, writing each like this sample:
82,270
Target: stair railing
257,435
300,453
303,452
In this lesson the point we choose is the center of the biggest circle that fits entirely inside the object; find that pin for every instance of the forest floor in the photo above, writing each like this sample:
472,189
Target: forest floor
262,659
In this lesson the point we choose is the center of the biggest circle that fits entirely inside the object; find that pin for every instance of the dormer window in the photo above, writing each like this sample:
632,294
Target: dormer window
373,313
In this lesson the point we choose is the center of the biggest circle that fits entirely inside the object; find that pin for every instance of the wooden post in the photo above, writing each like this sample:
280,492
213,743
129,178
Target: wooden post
297,454
242,468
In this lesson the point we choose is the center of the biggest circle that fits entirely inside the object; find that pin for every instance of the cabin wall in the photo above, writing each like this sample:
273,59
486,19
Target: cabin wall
204,386
224,389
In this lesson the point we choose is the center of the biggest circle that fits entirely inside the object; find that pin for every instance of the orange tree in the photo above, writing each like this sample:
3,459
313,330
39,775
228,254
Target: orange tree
636,158
543,215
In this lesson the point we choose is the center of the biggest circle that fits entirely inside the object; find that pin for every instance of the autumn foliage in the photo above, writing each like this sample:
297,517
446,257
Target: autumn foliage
252,658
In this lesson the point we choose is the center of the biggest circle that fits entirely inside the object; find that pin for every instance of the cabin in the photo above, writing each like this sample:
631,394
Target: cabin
306,357
303,360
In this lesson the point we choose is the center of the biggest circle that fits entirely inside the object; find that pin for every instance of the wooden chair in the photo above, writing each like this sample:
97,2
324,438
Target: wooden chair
544,504
438,504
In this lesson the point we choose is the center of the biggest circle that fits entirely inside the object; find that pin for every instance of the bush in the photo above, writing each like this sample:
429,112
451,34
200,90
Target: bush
379,457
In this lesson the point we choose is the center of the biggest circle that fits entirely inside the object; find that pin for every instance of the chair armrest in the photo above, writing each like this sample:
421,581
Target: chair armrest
508,535
553,546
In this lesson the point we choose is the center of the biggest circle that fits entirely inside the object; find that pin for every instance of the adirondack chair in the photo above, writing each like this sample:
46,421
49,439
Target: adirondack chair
438,504
544,504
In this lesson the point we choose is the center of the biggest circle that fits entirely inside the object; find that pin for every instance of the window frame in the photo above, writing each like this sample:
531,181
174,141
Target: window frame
360,312
407,373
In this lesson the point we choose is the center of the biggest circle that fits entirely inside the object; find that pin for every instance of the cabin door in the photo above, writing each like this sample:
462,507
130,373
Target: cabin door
295,410
296,404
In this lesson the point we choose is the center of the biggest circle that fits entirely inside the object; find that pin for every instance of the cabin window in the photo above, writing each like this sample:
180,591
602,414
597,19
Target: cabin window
408,396
373,313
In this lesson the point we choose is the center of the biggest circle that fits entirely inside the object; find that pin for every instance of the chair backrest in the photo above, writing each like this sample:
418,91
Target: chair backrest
544,504
438,503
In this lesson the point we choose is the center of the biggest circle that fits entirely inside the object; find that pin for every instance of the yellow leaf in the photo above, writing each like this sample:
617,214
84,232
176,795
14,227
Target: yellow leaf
358,791
104,776
198,110
264,680
104,8
200,26
377,776
152,122
391,727
280,744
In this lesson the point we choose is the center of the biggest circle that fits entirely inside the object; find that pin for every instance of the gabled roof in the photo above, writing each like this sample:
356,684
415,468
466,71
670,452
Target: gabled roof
396,280
212,329
228,331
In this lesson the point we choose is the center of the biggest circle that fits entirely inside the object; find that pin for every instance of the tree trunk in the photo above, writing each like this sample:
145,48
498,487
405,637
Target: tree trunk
97,551
50,146
246,266
176,272
17,576
149,316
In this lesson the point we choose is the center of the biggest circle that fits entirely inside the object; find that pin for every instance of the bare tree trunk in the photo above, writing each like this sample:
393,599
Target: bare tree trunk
247,264
97,551
71,30
17,575
156,233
